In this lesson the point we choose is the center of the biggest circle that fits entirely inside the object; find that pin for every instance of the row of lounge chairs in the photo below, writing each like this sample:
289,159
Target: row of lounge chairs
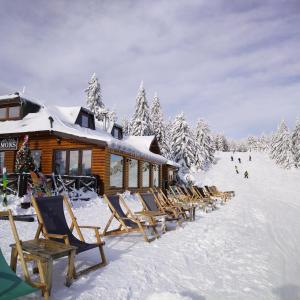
178,204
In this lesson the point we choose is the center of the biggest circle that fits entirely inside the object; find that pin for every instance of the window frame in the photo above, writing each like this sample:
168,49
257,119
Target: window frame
137,175
2,164
123,172
67,167
7,108
41,152
142,173
158,171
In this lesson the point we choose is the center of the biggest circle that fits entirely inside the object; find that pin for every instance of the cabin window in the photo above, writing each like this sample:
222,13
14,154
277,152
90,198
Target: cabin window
117,133
14,112
86,162
3,113
155,176
73,162
60,162
133,173
146,174
10,112
116,171
36,155
171,175
1,161
84,121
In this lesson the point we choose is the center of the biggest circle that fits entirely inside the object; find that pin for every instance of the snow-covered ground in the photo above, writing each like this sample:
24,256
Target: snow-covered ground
247,249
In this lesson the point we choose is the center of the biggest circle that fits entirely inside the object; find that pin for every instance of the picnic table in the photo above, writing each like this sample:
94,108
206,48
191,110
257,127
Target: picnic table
48,250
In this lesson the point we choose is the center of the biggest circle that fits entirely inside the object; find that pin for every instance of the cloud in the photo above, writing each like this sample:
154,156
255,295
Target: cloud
233,63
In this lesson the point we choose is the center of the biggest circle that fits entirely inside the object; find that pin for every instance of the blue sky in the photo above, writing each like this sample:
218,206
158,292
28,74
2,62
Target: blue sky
233,63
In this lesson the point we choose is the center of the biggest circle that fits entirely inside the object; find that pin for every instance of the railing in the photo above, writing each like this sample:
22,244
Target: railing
20,184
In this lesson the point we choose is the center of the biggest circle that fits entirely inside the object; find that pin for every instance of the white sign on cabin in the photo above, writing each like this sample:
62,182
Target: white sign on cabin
9,143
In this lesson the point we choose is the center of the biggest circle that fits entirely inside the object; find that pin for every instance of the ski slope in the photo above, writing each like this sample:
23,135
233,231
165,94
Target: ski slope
247,249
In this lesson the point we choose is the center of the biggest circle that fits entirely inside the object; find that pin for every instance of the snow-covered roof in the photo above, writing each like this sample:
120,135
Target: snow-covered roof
173,163
142,143
64,123
8,97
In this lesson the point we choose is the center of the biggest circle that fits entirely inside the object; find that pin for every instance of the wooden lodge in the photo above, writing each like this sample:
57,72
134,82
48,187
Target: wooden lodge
69,141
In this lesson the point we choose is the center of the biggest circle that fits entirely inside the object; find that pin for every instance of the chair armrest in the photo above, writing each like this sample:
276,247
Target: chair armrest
89,227
58,236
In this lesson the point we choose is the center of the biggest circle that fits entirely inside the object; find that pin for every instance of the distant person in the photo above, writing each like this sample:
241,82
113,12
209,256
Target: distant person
240,161
236,170
250,158
231,158
246,175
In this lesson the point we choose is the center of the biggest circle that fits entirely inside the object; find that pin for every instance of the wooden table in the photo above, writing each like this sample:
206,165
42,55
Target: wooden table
49,250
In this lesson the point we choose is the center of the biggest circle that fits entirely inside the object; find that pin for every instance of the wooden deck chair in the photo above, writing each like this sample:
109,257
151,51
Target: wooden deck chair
178,195
53,225
169,201
215,190
195,198
165,205
129,221
213,194
210,202
11,286
149,201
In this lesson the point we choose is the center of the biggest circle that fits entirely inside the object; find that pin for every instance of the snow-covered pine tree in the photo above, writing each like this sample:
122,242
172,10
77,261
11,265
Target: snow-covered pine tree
157,124
281,147
126,126
140,124
296,144
183,143
95,104
24,160
167,153
204,145
93,95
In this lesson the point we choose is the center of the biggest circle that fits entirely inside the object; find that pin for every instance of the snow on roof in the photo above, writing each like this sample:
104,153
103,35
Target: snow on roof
7,97
64,122
142,143
173,163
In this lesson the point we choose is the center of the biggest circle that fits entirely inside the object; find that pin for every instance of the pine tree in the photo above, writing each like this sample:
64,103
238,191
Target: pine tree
24,160
93,95
140,123
296,144
95,104
126,126
204,145
281,147
157,124
183,143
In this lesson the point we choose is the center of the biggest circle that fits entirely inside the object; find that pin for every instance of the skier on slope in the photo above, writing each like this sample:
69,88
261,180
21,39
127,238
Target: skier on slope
250,158
236,170
231,158
246,175
240,161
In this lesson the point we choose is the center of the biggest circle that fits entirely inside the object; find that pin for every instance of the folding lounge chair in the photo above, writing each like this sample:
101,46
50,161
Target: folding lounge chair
169,205
224,197
53,225
11,286
150,203
210,202
129,221
195,198
214,189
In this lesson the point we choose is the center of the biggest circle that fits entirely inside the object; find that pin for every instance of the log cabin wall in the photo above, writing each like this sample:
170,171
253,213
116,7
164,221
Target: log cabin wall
100,161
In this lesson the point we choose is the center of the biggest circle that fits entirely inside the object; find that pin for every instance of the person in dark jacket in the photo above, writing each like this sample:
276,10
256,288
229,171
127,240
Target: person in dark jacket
246,175
239,160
